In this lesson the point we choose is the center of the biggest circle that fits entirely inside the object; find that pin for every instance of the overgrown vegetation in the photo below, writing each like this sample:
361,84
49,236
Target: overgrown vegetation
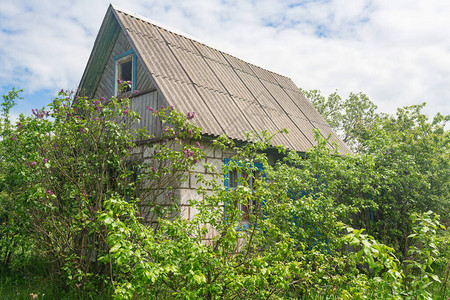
78,201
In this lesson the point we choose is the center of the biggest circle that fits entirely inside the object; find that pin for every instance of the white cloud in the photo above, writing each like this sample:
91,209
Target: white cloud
397,52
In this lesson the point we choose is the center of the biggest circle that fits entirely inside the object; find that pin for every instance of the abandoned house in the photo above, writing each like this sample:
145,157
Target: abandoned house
228,95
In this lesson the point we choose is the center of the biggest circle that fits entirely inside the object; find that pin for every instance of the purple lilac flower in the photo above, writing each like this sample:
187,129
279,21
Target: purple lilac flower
125,112
37,113
188,153
171,107
45,160
190,132
136,92
13,137
19,124
190,115
198,145
149,108
33,164
103,99
49,192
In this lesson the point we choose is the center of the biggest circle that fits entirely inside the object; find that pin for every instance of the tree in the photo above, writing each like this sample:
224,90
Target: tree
411,160
407,162
347,117
63,169
75,188
13,239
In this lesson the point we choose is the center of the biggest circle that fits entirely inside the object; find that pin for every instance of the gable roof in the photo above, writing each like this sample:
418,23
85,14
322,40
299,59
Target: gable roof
228,95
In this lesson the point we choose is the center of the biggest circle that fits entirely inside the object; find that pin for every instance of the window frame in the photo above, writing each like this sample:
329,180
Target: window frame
129,55
260,168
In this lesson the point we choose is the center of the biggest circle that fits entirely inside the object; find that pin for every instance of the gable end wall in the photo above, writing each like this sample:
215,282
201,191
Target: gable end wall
105,86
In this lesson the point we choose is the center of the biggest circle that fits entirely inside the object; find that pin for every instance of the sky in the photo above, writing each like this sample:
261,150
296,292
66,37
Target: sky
396,52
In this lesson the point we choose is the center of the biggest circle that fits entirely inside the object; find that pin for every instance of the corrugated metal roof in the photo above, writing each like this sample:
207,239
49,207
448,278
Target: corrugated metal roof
263,74
189,100
237,63
259,92
143,27
226,112
197,69
210,53
280,96
230,80
228,95
178,40
157,57
296,136
306,106
285,82
261,121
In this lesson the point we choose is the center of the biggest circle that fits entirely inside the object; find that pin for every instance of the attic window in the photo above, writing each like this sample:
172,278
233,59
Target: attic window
125,71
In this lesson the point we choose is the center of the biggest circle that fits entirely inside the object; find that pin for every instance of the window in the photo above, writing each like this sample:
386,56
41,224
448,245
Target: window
234,178
125,70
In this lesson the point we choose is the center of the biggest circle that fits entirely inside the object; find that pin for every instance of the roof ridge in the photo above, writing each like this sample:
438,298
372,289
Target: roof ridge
185,35
153,22
252,65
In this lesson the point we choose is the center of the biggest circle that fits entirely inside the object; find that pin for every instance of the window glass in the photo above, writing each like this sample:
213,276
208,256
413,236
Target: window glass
234,180
124,72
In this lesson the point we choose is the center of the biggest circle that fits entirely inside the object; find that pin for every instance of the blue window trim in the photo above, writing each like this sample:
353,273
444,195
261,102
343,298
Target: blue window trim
133,81
260,167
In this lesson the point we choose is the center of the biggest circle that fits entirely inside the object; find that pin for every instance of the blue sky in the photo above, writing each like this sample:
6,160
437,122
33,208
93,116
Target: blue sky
397,52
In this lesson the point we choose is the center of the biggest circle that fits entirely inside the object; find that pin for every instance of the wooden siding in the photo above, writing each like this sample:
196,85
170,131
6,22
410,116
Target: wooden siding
148,121
105,85
143,80
103,46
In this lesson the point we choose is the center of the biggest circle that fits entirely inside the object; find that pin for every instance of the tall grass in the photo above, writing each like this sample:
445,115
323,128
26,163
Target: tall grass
36,281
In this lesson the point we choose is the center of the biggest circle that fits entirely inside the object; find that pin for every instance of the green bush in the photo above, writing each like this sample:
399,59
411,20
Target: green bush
72,189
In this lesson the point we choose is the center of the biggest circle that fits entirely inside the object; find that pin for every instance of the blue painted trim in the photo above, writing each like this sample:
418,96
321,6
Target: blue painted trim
225,162
260,167
133,79
225,183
